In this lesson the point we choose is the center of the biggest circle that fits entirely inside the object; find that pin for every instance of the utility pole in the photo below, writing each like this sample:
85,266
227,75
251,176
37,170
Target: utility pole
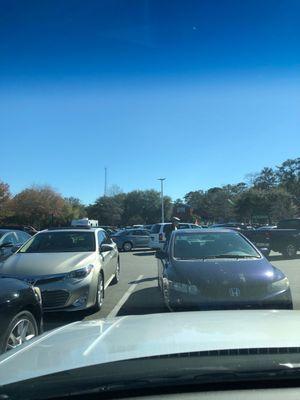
105,181
162,198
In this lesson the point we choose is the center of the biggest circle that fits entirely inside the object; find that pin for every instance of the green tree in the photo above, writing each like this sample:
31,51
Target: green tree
40,206
288,174
266,179
5,198
108,210
73,209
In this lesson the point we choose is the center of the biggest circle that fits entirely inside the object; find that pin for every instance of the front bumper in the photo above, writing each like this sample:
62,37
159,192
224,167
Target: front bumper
68,296
277,301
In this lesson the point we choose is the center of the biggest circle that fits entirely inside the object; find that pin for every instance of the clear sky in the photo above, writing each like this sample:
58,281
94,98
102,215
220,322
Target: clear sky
199,92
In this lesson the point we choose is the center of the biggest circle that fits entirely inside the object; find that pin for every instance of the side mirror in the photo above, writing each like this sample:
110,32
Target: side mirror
265,251
161,254
105,247
16,247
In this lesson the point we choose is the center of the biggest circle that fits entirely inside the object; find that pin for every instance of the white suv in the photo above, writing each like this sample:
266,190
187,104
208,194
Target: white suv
158,233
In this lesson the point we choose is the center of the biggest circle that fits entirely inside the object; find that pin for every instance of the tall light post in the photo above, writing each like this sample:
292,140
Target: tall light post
162,198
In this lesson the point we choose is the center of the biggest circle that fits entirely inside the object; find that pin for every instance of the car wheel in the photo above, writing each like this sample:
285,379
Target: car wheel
290,251
127,246
22,328
117,273
99,294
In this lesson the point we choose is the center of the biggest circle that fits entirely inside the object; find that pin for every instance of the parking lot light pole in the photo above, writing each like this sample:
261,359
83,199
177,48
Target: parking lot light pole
162,198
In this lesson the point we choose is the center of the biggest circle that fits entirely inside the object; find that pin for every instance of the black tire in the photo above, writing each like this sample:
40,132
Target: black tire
100,294
117,274
127,246
15,324
290,251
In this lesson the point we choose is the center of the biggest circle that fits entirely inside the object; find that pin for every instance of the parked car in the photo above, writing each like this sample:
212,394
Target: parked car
108,229
219,269
129,239
285,239
158,233
72,267
26,228
10,241
20,313
266,227
148,227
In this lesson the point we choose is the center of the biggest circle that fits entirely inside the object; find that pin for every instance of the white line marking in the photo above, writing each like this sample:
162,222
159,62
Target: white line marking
123,299
108,282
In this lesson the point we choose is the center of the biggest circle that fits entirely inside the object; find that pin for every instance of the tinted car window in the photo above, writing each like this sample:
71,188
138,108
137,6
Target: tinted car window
155,228
101,238
166,228
183,226
60,242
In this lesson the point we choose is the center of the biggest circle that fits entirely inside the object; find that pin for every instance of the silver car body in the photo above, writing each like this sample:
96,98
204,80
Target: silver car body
49,272
87,343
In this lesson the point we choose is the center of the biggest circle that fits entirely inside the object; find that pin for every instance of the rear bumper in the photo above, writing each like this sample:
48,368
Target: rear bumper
279,301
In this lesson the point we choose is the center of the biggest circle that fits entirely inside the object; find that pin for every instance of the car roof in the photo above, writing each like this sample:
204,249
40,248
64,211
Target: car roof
71,229
208,230
7,230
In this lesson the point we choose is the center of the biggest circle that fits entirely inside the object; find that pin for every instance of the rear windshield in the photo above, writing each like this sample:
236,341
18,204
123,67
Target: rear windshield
60,242
155,228
212,245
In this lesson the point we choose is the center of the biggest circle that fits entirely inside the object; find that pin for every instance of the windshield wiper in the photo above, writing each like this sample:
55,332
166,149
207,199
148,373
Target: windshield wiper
231,256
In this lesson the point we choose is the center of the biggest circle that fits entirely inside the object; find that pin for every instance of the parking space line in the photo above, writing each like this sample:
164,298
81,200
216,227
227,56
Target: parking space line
123,299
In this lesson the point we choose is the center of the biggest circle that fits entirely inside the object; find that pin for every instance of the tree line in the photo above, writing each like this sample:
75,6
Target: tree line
268,196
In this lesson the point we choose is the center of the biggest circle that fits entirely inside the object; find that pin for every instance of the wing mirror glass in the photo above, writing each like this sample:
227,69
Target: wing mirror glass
105,247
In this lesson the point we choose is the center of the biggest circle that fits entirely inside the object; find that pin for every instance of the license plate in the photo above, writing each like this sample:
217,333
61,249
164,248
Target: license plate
262,244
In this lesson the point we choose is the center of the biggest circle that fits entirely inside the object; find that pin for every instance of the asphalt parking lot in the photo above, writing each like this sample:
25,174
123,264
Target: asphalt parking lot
137,291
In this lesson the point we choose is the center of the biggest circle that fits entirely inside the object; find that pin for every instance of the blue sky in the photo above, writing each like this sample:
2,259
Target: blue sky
199,92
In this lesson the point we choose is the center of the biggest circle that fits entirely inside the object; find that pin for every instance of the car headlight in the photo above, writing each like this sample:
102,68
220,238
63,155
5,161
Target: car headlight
184,288
279,286
81,273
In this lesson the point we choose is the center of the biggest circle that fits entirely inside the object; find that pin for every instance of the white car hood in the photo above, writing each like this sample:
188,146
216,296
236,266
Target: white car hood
88,343
36,264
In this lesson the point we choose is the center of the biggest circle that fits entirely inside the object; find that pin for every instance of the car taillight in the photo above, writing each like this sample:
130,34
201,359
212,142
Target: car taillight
161,237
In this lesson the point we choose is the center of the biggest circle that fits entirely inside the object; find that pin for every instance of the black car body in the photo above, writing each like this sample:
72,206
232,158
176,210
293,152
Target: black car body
10,241
285,239
216,281
18,301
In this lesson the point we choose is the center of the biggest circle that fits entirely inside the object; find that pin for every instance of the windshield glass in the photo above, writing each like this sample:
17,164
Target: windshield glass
212,245
60,242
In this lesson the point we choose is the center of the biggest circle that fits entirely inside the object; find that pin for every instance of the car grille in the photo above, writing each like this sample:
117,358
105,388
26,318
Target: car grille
220,292
54,298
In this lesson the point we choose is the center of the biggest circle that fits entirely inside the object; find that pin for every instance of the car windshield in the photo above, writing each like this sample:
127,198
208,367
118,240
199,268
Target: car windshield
60,242
212,245
151,149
